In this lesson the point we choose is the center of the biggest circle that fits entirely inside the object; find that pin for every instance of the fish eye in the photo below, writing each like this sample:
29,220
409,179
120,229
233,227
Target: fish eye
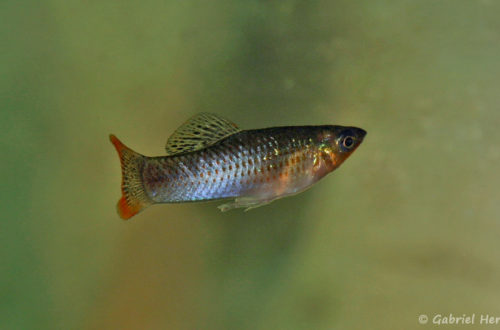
348,142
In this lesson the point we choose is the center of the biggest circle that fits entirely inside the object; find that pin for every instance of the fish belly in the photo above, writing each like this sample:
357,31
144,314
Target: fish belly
205,179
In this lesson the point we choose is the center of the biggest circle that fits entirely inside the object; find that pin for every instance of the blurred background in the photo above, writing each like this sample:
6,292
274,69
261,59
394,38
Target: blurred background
409,225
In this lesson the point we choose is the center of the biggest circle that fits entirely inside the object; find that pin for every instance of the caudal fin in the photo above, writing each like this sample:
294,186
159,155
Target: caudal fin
134,198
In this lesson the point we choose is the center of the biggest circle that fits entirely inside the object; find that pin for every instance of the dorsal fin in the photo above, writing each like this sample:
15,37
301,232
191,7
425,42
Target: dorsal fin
200,131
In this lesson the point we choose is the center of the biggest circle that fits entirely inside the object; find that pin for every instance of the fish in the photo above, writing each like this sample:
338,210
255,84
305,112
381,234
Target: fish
211,158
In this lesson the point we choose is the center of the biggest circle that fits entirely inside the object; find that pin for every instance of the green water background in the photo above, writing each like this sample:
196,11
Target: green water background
409,225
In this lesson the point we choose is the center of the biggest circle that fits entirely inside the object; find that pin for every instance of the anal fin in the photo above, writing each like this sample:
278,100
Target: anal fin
247,202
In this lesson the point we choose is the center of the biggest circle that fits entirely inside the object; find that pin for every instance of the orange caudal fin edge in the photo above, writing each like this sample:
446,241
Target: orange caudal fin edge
134,198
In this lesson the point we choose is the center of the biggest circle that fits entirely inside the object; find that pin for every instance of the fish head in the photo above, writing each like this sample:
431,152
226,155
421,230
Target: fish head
337,143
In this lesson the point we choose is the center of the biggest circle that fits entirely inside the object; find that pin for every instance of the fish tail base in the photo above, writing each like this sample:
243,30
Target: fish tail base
134,198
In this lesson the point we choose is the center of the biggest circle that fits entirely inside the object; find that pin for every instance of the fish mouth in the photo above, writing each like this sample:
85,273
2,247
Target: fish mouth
361,133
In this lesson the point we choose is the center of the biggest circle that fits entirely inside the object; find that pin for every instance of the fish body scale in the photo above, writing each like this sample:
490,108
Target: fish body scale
262,163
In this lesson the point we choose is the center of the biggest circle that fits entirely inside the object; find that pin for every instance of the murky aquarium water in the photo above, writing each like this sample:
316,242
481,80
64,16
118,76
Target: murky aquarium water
404,235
